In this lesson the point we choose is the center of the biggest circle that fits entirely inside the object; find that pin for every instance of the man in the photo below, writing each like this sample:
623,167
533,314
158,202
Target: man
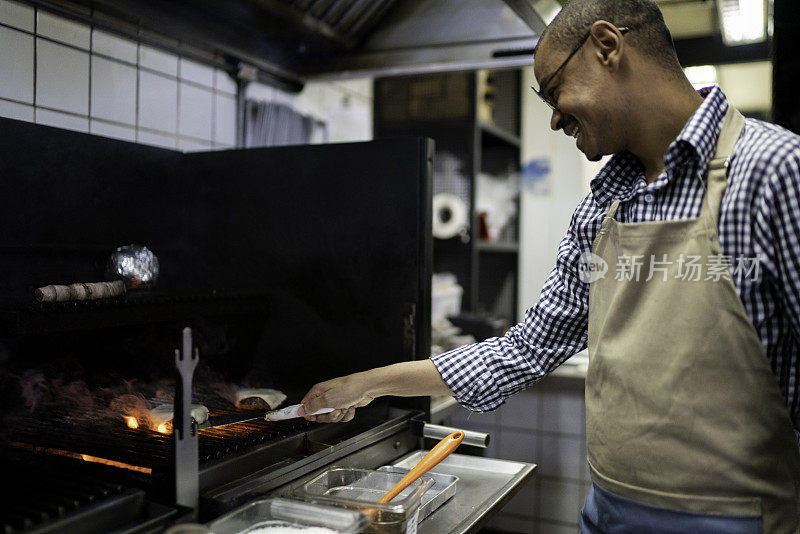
694,330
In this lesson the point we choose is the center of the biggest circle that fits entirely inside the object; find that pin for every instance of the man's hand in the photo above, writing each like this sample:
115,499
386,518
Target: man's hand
345,394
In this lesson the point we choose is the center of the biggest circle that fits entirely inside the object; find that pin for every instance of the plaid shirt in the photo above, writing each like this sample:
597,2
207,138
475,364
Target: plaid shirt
759,218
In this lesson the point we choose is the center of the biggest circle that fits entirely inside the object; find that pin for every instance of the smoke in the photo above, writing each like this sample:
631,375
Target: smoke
130,404
74,397
34,389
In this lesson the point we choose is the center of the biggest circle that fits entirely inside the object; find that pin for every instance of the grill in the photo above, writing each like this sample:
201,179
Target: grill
146,449
87,470
289,266
45,493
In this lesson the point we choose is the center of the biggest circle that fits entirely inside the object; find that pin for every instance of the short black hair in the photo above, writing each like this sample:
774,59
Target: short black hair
648,32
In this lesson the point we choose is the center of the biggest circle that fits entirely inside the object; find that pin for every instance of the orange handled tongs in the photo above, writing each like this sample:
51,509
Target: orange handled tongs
441,451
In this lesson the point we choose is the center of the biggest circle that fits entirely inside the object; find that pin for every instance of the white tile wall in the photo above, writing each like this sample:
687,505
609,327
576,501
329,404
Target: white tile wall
512,523
157,139
62,120
115,131
518,446
225,120
543,425
552,527
559,499
195,112
158,99
561,456
62,77
224,83
563,412
521,411
524,503
188,145
17,15
113,91
197,73
16,65
13,110
157,60
63,30
115,47
66,74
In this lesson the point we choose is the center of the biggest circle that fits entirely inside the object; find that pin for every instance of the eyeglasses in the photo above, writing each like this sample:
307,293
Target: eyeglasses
543,86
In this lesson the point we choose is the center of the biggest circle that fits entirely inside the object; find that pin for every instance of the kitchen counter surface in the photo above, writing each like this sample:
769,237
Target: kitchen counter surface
484,486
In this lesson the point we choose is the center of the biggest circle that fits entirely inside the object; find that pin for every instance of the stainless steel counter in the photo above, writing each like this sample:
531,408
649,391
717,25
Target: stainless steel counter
484,486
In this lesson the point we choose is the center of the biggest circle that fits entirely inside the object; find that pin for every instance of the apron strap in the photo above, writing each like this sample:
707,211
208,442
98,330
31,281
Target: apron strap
732,127
612,210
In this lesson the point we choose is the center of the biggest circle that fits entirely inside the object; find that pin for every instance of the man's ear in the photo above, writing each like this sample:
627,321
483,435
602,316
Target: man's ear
607,42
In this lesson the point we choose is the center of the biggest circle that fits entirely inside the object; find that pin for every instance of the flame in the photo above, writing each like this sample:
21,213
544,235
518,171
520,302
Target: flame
84,457
163,428
131,421
114,463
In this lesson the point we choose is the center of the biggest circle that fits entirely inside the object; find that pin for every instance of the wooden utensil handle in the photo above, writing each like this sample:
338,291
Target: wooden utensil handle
441,451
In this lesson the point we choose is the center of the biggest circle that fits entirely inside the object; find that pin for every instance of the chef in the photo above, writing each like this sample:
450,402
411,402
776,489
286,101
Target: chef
681,273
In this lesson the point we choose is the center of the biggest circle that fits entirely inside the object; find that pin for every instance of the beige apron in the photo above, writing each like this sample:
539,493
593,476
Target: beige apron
683,411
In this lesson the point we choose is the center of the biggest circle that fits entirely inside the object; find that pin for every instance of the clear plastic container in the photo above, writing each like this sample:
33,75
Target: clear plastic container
281,514
360,489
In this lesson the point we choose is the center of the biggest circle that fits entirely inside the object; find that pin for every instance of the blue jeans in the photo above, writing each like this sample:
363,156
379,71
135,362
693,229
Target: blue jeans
607,513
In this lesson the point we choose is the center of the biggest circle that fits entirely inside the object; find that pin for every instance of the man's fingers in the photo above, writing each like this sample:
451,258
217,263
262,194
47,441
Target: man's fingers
349,414
313,402
332,417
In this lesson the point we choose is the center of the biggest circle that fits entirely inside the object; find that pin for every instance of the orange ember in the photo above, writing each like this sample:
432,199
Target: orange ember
163,428
84,457
131,421
114,463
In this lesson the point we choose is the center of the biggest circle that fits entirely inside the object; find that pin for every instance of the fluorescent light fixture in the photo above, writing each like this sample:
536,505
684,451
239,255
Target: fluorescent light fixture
701,76
742,21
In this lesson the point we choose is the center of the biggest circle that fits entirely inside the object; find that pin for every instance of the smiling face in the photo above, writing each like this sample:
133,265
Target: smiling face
584,93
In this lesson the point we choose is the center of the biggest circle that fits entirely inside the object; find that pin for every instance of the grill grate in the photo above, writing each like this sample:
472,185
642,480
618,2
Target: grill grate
102,439
37,493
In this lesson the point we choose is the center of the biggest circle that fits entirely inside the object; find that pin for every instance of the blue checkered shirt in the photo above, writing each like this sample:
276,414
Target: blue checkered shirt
759,218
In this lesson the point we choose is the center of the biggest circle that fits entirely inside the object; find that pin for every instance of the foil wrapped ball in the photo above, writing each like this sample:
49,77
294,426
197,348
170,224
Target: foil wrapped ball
136,265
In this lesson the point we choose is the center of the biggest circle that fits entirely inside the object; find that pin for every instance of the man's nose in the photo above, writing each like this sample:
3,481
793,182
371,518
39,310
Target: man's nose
556,120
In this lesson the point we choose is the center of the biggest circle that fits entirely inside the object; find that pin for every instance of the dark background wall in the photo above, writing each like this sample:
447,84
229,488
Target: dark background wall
332,242
786,65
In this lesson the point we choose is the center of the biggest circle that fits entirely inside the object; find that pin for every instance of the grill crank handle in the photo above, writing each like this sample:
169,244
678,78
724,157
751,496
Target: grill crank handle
471,438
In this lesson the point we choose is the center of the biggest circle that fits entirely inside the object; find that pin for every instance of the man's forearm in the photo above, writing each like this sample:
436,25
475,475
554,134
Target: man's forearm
407,379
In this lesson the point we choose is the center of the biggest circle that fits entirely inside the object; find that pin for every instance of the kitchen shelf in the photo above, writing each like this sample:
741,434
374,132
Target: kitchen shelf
506,248
494,135
474,119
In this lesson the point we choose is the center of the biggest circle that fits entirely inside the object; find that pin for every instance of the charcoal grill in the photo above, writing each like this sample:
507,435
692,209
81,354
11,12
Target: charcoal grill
291,265
46,493
98,465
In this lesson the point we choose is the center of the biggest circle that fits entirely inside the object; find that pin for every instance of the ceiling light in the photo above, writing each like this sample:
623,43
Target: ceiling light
742,21
701,76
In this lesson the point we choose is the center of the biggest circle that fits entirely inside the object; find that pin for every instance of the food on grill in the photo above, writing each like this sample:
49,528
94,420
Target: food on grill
89,291
160,415
135,264
268,399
